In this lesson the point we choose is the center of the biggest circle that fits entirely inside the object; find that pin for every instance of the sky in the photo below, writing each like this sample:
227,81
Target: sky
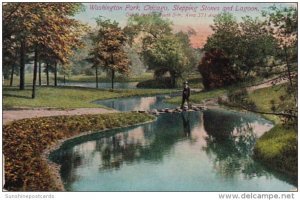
184,16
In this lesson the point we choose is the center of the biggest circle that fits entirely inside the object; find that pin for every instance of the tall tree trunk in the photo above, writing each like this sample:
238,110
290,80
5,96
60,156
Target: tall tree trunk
289,74
12,76
13,69
288,67
55,74
22,65
40,73
64,79
47,73
173,79
112,78
97,80
35,68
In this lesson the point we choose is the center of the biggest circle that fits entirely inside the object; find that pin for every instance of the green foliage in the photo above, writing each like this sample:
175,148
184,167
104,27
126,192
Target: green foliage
108,51
167,55
283,25
150,26
163,51
25,140
267,98
164,82
240,98
226,32
247,46
278,149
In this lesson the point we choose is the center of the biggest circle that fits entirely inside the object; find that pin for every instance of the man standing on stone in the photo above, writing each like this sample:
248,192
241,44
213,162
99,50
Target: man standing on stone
186,94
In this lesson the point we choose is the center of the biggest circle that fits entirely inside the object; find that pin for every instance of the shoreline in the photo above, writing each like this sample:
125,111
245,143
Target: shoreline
55,168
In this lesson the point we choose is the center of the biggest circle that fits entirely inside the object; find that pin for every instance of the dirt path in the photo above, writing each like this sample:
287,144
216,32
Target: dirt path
266,84
11,115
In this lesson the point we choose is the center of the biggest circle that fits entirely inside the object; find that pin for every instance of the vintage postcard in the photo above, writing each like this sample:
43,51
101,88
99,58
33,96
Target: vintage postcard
150,96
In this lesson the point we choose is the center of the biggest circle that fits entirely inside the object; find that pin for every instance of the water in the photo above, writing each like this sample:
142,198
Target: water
190,151
137,103
117,85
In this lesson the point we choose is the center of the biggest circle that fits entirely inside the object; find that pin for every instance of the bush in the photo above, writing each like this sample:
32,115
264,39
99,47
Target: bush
240,97
216,70
156,83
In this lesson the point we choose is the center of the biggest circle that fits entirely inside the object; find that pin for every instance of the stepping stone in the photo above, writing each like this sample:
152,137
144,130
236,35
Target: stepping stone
154,112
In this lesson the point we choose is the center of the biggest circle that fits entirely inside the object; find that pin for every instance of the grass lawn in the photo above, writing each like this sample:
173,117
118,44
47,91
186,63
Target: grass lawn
278,147
25,140
263,97
103,78
82,78
68,97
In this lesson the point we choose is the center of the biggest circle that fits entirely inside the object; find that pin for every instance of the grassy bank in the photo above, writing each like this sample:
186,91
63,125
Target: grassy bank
25,140
67,97
277,148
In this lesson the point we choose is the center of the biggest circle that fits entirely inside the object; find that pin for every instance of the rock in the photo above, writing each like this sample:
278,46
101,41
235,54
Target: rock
142,111
154,112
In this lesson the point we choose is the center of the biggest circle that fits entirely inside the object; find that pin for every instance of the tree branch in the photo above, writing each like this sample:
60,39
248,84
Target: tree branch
235,105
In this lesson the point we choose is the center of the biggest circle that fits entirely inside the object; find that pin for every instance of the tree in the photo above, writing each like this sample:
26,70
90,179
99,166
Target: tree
246,44
108,51
226,35
161,50
283,25
167,55
255,48
43,26
9,61
216,70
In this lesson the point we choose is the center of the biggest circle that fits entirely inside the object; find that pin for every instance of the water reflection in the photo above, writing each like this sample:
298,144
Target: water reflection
186,124
136,103
189,148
